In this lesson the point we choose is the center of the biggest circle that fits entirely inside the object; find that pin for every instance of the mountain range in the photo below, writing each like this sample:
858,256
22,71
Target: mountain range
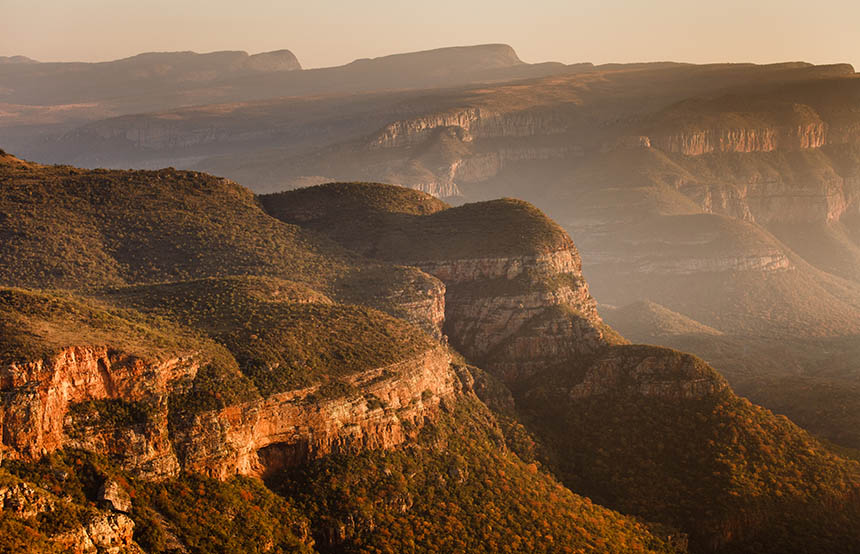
423,366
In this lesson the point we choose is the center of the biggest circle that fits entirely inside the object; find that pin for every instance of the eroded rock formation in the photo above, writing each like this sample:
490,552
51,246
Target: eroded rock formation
377,410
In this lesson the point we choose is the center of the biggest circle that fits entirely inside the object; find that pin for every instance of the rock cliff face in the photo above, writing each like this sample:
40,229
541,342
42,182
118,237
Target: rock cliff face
824,199
37,397
38,414
470,123
261,437
515,301
745,140
518,314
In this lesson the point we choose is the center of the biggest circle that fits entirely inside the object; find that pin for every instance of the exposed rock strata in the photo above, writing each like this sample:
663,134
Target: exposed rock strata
36,398
743,139
510,313
297,426
250,438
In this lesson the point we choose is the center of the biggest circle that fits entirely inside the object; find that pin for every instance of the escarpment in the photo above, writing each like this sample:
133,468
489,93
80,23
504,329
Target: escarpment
380,411
108,402
517,291
514,315
44,406
743,139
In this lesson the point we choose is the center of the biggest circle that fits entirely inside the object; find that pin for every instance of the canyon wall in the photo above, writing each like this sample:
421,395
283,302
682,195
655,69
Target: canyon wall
37,396
742,139
39,399
516,315
294,427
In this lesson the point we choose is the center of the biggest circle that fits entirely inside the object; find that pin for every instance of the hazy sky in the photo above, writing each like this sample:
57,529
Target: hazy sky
327,32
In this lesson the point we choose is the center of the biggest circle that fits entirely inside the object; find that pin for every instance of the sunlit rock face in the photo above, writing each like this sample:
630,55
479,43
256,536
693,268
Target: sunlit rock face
39,415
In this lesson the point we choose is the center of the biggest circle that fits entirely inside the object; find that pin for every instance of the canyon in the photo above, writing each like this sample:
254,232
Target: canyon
188,364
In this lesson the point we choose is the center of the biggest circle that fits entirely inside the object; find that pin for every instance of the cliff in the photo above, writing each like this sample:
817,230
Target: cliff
296,427
743,140
519,292
38,396
53,404
515,315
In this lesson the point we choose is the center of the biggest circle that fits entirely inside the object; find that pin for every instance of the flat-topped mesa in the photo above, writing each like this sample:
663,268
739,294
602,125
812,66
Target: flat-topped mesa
508,270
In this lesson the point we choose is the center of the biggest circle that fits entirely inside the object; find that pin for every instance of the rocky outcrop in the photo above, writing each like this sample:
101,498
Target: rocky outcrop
439,189
409,131
103,533
470,123
291,428
115,496
374,409
518,314
107,533
23,501
37,397
743,139
776,261
825,199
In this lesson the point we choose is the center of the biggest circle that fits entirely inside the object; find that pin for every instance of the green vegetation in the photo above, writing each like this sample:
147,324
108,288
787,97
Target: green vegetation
407,229
34,325
366,199
824,406
68,228
733,475
109,413
198,514
457,490
527,282
53,515
82,229
205,515
283,335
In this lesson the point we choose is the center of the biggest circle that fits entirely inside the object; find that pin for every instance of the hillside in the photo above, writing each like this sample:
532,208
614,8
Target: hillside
699,457
85,229
648,319
153,401
577,387
160,374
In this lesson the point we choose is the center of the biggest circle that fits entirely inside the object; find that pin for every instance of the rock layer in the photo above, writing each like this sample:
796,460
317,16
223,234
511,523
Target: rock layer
37,396
377,411
516,315
294,427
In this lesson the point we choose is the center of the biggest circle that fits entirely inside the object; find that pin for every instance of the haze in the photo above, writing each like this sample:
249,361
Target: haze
332,33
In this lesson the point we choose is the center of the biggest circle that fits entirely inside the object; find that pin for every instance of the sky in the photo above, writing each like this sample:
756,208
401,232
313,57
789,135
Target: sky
325,32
